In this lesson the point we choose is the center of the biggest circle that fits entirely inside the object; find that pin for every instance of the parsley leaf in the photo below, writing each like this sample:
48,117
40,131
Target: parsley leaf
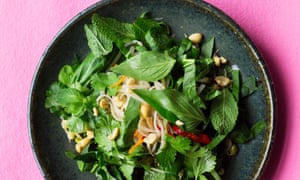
179,143
166,158
200,162
104,127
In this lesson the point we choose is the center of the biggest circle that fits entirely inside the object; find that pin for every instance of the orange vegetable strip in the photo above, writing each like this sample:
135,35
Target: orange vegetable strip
122,79
137,144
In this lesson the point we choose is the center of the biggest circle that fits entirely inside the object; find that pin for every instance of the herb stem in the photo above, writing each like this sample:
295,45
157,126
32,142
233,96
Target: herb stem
215,175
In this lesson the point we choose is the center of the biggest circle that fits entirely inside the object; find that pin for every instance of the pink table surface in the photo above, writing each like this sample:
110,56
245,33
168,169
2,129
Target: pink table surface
28,26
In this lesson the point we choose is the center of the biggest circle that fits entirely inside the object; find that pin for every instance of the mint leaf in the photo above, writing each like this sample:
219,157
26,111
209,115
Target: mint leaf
158,39
147,65
150,175
142,25
224,112
99,44
118,32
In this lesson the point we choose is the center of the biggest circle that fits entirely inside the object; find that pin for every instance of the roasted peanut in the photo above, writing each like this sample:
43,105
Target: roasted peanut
196,38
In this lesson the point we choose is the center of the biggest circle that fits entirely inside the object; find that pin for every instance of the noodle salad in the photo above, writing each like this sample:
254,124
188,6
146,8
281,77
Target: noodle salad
145,105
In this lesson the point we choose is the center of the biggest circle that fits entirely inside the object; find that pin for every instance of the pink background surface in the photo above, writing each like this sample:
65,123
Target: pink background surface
28,26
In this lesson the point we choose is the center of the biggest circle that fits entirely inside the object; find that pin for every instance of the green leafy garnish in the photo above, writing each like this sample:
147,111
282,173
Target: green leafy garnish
147,66
144,104
224,112
173,105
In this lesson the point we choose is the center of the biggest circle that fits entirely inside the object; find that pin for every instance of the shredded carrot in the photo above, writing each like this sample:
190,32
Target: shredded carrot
138,142
137,134
122,79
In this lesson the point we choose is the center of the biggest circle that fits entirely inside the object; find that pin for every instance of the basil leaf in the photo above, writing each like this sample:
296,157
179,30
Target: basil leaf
249,86
147,65
210,93
236,83
158,39
142,25
185,45
118,32
89,65
204,66
127,171
208,47
242,133
216,141
189,82
100,45
173,105
224,112
150,175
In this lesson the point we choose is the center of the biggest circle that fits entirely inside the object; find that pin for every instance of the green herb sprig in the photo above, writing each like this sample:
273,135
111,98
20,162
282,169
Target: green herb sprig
146,50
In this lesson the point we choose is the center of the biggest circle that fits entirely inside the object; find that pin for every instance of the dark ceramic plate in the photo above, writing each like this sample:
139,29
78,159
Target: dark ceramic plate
48,140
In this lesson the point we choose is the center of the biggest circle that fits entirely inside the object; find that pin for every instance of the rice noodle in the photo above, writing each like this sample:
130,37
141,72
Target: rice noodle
145,127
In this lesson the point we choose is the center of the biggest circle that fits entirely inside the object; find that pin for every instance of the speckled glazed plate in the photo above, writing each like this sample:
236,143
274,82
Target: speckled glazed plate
48,140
